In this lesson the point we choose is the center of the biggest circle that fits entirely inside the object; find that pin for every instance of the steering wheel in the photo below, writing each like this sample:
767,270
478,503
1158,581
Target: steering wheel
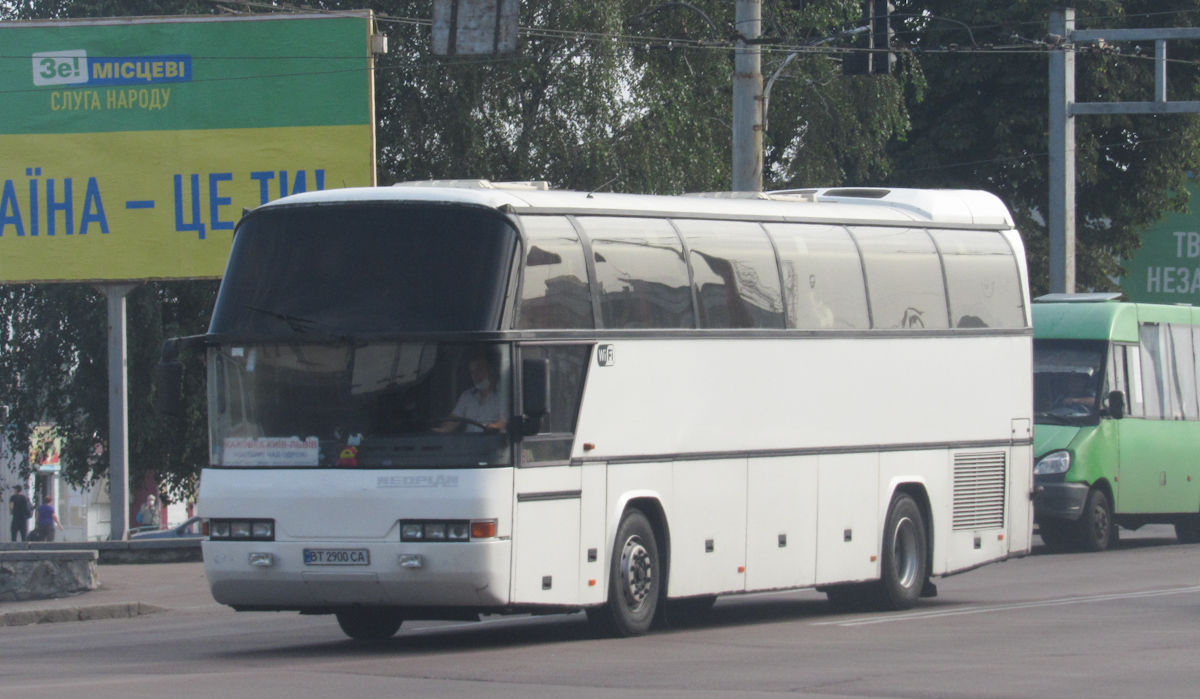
464,420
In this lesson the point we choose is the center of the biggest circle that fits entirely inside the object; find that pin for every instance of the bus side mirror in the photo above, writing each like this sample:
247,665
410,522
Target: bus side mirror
535,394
169,374
1116,405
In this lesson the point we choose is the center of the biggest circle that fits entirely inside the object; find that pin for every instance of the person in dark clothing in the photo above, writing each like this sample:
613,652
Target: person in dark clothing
21,510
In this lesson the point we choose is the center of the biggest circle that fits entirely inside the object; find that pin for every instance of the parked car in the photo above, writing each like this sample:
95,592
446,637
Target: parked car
193,528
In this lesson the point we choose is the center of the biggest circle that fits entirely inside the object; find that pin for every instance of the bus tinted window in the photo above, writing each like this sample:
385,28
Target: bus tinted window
981,276
736,277
555,292
359,268
641,272
822,276
904,278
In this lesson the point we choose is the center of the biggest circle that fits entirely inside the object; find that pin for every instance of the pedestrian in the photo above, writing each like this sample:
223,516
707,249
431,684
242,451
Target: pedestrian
47,520
150,515
21,510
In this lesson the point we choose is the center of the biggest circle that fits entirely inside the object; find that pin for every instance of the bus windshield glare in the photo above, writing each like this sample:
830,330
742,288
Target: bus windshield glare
1067,381
357,269
369,405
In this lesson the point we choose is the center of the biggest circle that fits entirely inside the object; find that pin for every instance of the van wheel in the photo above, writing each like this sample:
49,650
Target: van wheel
1095,529
1188,530
905,554
369,624
635,580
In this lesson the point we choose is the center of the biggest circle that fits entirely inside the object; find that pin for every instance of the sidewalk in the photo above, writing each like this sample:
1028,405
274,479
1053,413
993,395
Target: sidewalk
125,591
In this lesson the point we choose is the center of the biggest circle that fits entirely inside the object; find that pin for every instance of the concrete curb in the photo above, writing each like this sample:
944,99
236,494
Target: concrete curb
121,610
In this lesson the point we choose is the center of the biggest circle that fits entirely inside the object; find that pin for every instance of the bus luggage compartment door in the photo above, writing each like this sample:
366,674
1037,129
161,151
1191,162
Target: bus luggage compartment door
546,535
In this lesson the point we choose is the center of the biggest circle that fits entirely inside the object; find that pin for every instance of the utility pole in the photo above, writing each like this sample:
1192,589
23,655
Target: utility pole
748,99
1062,155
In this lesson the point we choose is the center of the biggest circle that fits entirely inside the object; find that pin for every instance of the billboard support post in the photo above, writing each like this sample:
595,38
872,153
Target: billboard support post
118,408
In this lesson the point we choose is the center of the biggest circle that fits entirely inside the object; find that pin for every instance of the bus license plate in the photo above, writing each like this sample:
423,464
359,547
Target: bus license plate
337,557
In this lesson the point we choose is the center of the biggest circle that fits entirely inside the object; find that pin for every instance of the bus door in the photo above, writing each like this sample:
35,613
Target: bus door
549,490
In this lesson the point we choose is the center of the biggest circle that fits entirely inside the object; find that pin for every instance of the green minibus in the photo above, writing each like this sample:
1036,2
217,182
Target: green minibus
1116,419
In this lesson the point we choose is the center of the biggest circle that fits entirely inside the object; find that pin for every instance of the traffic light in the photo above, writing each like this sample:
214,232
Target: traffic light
878,59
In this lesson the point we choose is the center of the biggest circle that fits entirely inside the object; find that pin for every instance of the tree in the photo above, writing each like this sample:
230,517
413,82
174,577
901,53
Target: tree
984,121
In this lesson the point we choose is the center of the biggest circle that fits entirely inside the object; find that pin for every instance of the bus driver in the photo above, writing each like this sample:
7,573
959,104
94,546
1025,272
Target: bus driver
478,408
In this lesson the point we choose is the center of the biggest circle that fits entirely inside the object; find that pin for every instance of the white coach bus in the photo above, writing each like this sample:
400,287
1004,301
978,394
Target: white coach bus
465,398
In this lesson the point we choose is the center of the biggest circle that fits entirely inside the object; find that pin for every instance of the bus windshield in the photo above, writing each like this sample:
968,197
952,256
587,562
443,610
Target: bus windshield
371,405
356,269
1067,381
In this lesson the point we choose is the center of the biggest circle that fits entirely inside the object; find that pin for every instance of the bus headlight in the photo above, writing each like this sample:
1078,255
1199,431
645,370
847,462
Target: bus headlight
1054,463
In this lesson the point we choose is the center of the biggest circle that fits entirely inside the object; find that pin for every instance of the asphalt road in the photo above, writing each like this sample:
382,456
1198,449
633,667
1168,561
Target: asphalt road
1125,623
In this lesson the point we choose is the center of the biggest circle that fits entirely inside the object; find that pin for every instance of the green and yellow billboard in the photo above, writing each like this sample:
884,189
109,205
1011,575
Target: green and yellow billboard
129,148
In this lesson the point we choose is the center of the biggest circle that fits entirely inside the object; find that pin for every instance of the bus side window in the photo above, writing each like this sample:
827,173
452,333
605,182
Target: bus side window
641,272
982,279
904,278
568,370
822,276
1114,375
1156,368
1133,374
1183,378
555,293
734,270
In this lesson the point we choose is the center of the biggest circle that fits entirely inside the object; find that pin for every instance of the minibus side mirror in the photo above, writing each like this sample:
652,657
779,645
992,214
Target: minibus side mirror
535,394
169,374
1116,405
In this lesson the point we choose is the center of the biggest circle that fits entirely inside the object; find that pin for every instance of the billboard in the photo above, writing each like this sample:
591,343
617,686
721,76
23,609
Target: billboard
129,148
1166,269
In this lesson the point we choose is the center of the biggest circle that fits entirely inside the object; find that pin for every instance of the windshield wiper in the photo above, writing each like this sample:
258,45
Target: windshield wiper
1051,418
300,324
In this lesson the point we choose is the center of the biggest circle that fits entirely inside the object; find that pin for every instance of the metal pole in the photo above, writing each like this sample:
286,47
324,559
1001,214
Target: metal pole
118,409
747,100
1062,156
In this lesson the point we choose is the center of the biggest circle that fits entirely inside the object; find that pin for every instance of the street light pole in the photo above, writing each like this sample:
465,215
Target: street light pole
748,100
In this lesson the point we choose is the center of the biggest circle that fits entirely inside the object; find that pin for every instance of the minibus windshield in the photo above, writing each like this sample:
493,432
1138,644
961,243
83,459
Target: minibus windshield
371,405
1067,381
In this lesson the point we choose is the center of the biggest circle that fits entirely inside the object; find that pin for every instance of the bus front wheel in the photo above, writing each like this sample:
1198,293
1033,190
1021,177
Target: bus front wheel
635,580
905,554
369,624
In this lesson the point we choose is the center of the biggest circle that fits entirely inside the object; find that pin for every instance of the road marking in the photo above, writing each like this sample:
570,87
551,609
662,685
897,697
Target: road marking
962,611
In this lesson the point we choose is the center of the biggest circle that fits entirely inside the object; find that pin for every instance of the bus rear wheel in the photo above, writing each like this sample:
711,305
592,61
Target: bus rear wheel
635,580
369,624
1095,529
905,555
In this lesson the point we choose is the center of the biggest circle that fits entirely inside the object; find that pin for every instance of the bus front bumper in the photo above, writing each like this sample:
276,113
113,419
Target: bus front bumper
471,575
1059,500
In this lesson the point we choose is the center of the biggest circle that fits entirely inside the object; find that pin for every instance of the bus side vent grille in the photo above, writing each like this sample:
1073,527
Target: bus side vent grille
979,487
